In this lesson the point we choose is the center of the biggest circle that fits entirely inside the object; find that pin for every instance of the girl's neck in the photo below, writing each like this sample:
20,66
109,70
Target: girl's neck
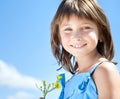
86,63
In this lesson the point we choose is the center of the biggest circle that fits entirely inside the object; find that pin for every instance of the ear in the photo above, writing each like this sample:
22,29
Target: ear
100,40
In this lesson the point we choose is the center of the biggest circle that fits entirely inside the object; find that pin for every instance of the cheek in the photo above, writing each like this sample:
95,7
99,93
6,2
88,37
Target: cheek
93,36
64,38
64,41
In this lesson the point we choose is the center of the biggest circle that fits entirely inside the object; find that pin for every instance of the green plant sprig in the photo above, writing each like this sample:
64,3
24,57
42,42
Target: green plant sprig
46,88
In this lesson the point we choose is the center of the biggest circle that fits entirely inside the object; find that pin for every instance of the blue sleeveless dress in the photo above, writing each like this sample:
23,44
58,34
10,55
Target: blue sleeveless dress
80,86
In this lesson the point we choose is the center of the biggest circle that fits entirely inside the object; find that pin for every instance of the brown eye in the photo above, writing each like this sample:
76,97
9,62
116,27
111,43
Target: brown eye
68,29
86,28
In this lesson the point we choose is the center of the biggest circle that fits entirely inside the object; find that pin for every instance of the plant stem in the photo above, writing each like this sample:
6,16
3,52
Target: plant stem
51,89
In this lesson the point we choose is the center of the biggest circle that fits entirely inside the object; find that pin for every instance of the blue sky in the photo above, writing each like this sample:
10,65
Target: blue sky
25,53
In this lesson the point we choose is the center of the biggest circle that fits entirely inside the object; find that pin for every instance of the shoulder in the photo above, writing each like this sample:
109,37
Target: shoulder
107,80
106,69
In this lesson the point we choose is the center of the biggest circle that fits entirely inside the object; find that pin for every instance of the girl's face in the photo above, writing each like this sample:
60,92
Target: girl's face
78,36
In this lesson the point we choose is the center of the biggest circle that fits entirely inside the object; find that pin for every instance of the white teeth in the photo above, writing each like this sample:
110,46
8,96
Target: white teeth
78,46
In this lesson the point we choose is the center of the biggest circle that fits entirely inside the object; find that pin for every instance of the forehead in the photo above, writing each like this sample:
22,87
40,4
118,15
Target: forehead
73,18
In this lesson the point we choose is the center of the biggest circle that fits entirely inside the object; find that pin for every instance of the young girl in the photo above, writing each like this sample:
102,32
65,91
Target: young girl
81,42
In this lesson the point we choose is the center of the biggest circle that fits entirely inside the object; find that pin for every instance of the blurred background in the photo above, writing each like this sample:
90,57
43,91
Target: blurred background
25,53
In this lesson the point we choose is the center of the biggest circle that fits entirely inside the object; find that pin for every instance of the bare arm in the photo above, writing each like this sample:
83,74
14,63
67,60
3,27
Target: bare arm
107,80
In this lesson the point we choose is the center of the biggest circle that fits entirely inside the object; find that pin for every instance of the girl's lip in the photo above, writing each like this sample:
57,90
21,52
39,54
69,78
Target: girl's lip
78,46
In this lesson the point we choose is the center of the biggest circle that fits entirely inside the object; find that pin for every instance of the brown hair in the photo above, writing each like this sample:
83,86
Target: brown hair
88,9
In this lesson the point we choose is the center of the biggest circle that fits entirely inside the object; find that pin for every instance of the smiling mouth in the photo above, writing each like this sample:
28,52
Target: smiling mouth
78,46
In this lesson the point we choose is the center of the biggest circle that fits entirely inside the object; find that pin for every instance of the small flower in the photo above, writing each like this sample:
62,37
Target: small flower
57,85
44,83
46,88
59,77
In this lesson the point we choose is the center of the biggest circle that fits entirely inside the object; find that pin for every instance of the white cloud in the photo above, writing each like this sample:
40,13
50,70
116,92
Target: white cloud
9,76
21,95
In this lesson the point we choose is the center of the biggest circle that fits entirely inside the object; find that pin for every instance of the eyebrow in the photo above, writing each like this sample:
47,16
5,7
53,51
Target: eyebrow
89,22
63,25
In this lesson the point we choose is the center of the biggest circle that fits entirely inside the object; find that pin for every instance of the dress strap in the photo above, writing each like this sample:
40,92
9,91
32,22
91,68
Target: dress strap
62,81
95,67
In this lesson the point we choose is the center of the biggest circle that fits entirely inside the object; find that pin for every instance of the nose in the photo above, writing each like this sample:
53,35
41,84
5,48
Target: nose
78,36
